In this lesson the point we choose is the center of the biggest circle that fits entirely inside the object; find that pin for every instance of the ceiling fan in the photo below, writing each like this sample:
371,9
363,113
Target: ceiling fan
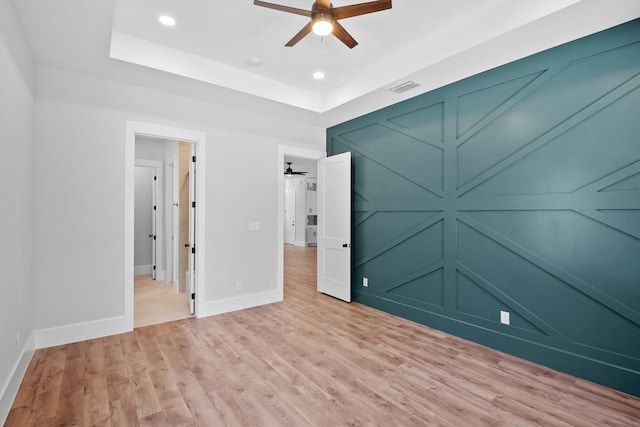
290,172
324,18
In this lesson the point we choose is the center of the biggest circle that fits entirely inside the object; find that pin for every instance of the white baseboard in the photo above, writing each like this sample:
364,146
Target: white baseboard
141,269
300,243
81,331
11,386
211,308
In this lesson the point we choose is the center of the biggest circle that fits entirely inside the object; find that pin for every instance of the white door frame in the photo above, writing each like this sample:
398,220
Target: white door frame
303,153
133,129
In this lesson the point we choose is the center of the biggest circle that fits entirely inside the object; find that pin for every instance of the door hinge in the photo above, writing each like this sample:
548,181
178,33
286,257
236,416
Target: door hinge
193,250
154,237
155,208
193,159
193,204
155,178
154,267
193,295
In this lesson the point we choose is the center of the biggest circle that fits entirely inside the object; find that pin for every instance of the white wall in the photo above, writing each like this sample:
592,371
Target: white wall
16,171
79,156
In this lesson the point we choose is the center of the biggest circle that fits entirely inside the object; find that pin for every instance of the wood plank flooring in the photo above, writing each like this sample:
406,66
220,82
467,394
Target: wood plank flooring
157,302
308,361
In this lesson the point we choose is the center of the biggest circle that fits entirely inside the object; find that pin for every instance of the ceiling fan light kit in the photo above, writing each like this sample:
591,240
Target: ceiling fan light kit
324,18
322,26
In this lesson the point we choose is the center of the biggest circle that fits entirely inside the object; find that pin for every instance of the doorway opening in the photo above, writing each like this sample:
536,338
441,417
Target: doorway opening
162,230
297,215
164,243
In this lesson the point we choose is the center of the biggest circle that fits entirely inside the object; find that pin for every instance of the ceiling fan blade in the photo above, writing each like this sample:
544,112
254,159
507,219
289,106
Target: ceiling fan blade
282,8
323,4
361,9
343,35
303,32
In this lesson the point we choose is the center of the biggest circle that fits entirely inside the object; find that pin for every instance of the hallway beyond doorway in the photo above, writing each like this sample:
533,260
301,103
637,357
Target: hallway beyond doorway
158,302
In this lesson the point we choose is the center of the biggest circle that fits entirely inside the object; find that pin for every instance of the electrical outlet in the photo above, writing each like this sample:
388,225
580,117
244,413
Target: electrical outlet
18,340
365,282
504,318
239,285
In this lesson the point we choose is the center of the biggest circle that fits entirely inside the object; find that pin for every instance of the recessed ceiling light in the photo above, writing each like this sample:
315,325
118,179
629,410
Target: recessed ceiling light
167,20
254,61
318,75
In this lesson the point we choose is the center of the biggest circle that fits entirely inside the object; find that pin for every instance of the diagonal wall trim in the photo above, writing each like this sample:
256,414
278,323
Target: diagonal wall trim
538,192
529,316
414,275
539,78
399,240
613,178
414,135
571,280
379,160
612,222
579,117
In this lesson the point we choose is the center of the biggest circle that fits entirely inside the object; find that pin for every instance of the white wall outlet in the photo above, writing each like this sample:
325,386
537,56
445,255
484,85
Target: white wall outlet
254,226
365,282
504,317
239,285
18,340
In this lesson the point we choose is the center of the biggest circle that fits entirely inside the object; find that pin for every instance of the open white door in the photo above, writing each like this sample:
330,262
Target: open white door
191,284
334,226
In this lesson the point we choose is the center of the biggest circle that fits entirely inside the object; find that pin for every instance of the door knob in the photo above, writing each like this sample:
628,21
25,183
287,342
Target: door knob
346,245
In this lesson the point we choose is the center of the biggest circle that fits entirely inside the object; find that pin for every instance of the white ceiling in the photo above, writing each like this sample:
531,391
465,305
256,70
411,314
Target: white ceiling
434,42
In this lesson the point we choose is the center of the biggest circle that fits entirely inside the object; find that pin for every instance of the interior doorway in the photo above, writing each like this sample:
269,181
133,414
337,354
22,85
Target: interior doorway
165,293
163,230
297,232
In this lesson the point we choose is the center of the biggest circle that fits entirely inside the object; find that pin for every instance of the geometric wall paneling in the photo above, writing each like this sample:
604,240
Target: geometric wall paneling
475,108
630,183
408,253
566,98
563,239
529,281
628,216
427,288
385,146
483,302
384,230
425,123
572,158
569,314
380,183
519,190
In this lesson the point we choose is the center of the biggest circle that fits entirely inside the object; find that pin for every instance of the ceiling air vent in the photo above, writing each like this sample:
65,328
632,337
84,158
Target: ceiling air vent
405,86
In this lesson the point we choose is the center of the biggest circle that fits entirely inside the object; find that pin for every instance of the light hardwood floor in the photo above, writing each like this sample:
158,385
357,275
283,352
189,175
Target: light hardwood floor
157,302
308,361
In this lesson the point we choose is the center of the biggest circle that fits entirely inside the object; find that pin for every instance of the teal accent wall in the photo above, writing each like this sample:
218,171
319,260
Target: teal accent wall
514,190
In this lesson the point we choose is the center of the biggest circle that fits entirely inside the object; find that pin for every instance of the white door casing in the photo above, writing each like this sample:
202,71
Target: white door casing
334,226
154,225
192,230
198,138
